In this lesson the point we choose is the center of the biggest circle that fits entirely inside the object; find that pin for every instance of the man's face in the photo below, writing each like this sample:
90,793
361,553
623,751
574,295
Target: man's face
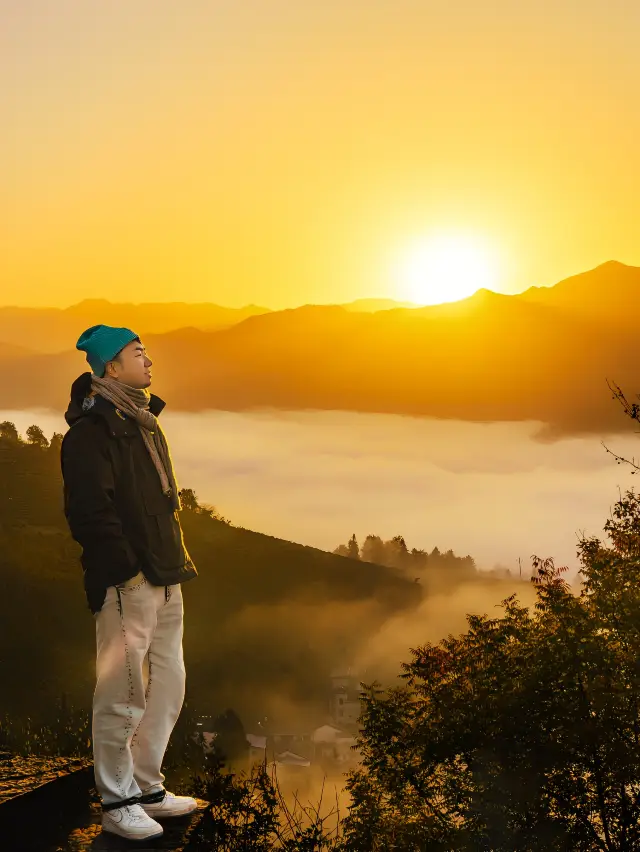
133,367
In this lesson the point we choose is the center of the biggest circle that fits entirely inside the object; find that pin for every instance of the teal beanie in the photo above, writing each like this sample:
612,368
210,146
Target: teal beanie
102,343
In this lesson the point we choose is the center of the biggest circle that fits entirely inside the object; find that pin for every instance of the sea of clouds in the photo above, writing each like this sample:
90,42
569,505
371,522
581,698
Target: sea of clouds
316,477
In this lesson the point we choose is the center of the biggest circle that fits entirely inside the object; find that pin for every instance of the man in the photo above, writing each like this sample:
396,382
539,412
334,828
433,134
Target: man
121,502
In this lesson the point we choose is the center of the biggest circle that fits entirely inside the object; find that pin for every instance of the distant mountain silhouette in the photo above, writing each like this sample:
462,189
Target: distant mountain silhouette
376,305
542,355
609,292
10,351
54,329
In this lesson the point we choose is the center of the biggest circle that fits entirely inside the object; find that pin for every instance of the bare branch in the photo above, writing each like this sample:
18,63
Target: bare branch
632,410
621,460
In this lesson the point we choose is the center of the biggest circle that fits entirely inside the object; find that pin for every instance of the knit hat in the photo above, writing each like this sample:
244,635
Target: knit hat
102,343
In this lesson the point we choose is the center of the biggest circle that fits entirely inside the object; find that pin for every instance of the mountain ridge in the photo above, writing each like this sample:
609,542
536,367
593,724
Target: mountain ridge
490,357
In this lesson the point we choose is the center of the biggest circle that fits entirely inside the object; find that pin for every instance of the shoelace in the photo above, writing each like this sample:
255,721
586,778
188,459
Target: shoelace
136,816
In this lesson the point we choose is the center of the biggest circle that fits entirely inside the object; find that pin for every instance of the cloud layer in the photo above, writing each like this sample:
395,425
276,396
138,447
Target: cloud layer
489,490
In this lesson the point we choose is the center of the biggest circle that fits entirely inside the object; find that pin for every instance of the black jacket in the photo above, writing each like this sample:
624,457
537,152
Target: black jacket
113,499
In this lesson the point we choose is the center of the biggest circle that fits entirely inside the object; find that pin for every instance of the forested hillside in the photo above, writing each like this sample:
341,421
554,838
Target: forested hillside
266,619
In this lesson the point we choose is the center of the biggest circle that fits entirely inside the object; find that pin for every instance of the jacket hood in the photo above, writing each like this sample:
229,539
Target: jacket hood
81,388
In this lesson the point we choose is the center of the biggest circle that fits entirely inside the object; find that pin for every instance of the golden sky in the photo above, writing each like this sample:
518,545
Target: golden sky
282,152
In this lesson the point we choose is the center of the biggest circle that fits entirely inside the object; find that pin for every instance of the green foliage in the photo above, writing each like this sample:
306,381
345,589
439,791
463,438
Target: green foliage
36,436
249,812
395,554
55,444
244,812
189,501
8,432
66,733
524,732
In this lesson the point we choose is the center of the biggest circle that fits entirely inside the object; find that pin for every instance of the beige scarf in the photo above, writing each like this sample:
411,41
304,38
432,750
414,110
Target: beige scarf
135,403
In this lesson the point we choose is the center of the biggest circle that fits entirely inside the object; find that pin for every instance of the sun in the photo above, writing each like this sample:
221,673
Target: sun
446,267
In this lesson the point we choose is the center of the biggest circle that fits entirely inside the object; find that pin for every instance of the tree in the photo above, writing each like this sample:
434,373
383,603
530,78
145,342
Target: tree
524,732
188,499
8,431
398,554
231,741
341,550
211,511
55,443
373,550
352,548
36,437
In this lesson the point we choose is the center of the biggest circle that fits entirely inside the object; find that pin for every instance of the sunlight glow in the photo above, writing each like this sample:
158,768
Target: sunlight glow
446,267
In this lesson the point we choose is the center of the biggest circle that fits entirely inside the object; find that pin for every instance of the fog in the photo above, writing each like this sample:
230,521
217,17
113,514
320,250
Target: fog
316,477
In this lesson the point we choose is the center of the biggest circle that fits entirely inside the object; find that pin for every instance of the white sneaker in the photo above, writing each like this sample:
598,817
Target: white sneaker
169,806
132,822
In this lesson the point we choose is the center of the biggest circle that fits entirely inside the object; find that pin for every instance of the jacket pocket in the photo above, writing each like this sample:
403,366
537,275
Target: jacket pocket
164,553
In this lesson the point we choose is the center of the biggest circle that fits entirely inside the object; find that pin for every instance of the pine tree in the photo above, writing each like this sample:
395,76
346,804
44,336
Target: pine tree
353,551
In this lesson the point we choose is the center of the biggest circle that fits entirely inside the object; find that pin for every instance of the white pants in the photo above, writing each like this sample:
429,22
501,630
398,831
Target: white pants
140,683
